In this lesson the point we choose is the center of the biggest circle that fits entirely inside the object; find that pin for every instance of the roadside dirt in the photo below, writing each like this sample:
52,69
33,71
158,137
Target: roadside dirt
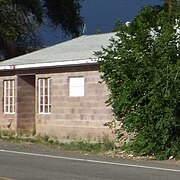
30,147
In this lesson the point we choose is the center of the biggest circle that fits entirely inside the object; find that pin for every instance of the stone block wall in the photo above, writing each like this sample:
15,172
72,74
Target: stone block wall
72,118
76,117
26,102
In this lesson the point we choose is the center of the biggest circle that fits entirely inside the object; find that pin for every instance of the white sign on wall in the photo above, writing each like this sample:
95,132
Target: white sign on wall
76,86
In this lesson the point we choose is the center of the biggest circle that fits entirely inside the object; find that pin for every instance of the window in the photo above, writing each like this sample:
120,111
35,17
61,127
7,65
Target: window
76,86
44,91
9,97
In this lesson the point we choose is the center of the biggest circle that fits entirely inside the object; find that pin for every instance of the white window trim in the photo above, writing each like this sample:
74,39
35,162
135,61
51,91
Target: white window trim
6,85
43,95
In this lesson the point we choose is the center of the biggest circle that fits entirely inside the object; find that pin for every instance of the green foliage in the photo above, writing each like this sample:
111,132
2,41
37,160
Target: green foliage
98,31
91,147
85,146
118,25
141,69
65,14
20,19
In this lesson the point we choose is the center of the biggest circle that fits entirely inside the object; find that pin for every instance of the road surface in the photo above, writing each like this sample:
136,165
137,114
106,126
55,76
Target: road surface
36,162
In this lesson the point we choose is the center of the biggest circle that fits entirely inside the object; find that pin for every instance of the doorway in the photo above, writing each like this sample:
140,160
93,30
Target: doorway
26,103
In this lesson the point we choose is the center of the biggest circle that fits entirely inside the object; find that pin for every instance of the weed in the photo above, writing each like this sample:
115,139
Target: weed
54,142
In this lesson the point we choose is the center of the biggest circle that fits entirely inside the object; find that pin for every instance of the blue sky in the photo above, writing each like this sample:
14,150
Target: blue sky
100,14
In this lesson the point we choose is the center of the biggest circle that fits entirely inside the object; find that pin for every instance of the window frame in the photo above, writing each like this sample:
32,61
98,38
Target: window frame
9,96
72,87
42,95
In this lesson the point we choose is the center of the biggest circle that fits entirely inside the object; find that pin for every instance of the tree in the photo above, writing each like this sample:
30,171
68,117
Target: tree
141,69
118,25
19,21
65,14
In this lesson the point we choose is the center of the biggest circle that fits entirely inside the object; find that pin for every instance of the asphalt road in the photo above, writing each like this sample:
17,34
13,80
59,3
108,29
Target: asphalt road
31,162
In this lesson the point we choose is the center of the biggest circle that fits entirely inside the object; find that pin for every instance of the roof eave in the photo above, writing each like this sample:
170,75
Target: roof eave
49,64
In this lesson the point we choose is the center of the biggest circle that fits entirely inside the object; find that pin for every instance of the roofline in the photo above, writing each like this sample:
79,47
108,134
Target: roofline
50,64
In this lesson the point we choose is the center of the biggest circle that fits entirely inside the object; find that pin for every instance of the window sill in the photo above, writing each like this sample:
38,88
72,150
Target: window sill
9,113
44,113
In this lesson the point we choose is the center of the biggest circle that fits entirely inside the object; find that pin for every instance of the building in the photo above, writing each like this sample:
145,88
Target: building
56,91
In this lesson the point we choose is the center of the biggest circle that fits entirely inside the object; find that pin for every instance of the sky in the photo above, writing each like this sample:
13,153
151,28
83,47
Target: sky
99,15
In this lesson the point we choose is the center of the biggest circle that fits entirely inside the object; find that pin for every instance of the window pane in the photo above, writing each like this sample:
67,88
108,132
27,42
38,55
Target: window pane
46,82
46,100
7,90
41,108
11,109
44,95
6,109
41,100
9,99
46,109
40,83
46,91
11,92
10,84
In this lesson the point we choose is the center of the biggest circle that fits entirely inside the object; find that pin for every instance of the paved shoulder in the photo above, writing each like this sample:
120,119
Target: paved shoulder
28,161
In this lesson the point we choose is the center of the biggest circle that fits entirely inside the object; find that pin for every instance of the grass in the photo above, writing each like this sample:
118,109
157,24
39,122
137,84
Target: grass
105,147
85,146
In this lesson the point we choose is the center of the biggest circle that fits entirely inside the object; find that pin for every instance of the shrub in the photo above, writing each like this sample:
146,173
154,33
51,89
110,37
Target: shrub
141,69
